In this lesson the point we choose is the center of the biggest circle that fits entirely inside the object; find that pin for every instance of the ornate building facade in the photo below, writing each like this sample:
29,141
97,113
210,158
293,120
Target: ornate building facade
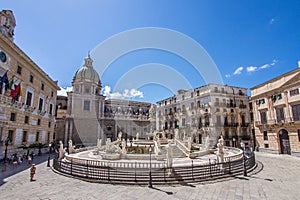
205,113
90,116
276,109
27,94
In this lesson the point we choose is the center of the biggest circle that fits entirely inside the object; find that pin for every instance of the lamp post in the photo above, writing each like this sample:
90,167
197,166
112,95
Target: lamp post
48,163
244,159
150,176
6,144
233,141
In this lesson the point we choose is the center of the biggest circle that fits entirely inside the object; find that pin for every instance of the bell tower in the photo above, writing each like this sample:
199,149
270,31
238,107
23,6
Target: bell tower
7,24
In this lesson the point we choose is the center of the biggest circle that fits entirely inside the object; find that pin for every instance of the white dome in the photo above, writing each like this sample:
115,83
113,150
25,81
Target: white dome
87,72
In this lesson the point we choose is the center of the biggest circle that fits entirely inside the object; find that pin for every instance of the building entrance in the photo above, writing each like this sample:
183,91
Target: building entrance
284,142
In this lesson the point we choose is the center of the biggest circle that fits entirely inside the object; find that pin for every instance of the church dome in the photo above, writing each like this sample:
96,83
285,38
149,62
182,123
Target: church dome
87,73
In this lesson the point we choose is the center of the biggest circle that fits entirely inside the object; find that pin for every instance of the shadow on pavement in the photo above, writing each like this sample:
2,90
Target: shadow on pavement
12,170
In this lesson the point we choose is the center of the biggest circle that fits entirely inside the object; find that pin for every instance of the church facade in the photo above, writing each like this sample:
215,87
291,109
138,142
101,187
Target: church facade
90,116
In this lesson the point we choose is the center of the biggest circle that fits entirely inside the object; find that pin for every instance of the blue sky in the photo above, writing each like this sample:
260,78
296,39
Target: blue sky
249,41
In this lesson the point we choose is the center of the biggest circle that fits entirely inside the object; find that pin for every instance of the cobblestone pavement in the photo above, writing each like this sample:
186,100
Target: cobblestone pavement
277,177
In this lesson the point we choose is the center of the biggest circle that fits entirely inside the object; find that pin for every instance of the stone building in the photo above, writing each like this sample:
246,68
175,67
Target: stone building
276,109
205,113
90,116
27,94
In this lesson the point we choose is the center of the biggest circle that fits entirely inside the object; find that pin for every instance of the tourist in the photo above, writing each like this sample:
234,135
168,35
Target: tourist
29,159
32,172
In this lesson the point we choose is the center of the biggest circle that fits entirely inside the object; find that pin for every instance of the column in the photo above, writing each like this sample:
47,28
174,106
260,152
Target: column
66,131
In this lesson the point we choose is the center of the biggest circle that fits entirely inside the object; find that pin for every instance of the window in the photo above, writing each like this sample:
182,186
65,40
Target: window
19,70
51,93
263,117
192,95
12,116
198,93
87,90
50,109
24,137
183,122
49,124
182,97
39,122
265,135
37,136
192,106
260,101
276,97
198,104
294,92
296,112
10,135
280,115
109,128
298,135
86,105
28,98
31,79
26,121
41,101
266,145
218,120
42,86
206,120
48,137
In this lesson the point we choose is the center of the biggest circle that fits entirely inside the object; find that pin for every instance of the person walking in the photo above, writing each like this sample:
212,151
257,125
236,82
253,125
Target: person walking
32,172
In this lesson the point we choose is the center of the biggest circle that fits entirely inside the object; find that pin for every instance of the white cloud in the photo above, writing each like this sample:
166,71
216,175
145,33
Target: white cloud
128,93
63,91
274,62
238,71
271,21
251,69
227,75
264,66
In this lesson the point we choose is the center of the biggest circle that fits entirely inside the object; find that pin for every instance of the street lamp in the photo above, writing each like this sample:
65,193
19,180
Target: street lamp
233,140
48,163
244,159
150,176
6,144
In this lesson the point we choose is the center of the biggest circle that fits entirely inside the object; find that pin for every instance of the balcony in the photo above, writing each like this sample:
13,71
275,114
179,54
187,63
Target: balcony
245,124
29,109
231,105
231,124
243,106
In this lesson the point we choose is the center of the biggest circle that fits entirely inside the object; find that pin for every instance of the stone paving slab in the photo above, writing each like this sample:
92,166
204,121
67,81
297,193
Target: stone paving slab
277,177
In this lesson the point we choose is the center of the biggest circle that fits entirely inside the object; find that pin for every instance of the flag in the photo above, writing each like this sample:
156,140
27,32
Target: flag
11,84
18,92
4,79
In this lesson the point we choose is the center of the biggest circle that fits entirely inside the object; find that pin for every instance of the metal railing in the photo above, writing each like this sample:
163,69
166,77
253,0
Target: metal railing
133,173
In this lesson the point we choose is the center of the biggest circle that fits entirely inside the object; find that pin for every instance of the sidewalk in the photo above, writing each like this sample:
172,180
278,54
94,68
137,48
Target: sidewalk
24,166
277,177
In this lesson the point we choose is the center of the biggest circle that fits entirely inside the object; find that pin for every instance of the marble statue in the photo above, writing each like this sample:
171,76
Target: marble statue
111,148
169,158
189,143
124,146
220,150
71,147
137,136
99,143
120,135
62,151
207,143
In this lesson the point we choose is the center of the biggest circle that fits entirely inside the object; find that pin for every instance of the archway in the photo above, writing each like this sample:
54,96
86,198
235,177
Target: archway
284,142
